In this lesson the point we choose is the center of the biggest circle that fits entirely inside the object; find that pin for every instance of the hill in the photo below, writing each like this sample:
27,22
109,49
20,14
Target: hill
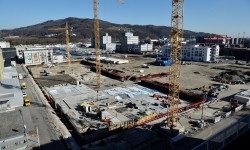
83,29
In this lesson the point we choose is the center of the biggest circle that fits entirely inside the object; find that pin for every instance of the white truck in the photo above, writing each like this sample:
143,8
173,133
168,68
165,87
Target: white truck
20,76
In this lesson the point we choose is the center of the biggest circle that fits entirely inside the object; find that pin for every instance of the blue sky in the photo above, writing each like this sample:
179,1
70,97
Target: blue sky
214,16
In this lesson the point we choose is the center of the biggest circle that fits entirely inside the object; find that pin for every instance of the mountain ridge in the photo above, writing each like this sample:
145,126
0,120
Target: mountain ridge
83,29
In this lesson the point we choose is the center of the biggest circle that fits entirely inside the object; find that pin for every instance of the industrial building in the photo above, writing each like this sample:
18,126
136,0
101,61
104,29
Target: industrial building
195,52
34,56
9,55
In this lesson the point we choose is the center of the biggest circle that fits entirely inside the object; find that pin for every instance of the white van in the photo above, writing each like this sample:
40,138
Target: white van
20,76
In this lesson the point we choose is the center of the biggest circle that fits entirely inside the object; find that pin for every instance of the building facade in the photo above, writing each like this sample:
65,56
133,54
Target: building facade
195,52
35,56
129,43
9,55
146,48
106,39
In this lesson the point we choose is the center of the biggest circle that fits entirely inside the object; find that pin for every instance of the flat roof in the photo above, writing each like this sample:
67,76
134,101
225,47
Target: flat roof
11,124
10,84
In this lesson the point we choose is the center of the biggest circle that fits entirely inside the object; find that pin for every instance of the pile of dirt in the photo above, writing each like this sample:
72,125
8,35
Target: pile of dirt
231,76
247,73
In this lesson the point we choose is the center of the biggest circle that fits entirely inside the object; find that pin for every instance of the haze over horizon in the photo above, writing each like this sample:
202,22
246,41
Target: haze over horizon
225,17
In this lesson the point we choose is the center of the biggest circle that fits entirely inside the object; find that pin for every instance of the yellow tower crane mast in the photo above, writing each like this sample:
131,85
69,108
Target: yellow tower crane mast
97,42
66,28
176,36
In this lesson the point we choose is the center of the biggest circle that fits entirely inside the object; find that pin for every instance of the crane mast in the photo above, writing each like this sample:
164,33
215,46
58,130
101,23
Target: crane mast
66,28
67,44
97,43
176,35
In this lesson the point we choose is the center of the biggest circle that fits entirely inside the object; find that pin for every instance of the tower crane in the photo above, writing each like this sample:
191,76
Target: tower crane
176,35
66,28
97,42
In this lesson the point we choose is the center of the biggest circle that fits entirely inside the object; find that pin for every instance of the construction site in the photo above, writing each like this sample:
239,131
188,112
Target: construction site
127,101
131,96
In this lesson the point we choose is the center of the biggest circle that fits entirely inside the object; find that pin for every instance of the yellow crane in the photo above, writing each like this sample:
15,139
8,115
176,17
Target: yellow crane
176,36
66,28
97,42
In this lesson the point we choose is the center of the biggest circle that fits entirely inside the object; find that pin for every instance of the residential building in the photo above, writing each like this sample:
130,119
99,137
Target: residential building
129,43
195,52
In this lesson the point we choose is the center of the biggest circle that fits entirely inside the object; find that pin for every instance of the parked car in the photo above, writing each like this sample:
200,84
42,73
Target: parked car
24,93
240,82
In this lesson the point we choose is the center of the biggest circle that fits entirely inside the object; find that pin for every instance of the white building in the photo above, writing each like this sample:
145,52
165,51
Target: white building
106,39
146,48
4,44
109,46
129,42
131,39
195,52
35,56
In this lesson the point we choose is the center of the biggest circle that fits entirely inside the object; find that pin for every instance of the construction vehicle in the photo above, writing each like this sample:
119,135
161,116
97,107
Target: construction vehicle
20,76
23,86
47,71
26,101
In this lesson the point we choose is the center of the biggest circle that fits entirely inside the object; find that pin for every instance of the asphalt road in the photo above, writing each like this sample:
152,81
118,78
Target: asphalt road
49,139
